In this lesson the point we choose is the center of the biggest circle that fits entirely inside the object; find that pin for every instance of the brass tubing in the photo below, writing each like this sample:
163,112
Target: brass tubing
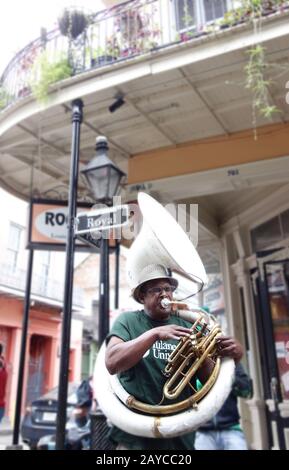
176,407
210,343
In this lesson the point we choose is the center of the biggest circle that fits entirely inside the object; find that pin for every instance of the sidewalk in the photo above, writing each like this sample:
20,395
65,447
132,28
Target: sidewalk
5,427
6,432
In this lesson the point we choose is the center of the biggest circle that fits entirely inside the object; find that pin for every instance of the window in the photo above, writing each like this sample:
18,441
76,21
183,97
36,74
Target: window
185,14
213,9
13,244
192,13
266,234
270,232
44,267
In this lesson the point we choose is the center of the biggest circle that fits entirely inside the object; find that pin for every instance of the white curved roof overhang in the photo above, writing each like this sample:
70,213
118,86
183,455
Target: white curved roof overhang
172,96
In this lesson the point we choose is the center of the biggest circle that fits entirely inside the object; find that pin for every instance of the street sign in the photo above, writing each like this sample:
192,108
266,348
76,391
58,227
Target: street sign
102,219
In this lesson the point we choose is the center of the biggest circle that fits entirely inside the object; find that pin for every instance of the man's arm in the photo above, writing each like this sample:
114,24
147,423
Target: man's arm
122,355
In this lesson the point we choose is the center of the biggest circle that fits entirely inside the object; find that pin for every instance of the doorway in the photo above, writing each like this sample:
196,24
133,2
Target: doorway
6,339
271,296
37,367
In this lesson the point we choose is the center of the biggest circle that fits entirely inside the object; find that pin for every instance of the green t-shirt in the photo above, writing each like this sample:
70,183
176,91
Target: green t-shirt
145,380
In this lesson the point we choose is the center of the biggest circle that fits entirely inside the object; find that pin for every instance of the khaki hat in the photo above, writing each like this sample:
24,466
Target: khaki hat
149,273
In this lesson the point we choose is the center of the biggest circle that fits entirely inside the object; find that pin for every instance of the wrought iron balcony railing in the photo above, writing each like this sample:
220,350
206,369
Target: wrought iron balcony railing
41,287
121,33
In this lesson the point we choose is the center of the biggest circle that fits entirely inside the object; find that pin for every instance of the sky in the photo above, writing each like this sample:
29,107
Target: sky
21,20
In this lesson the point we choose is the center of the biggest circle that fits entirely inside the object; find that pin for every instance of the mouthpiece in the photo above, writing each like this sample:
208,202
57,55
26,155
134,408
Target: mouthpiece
165,303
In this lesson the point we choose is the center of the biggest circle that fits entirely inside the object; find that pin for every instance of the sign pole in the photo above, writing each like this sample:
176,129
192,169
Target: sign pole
25,322
116,297
103,289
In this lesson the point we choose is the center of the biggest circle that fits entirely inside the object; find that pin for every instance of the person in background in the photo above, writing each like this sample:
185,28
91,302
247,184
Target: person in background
224,432
3,382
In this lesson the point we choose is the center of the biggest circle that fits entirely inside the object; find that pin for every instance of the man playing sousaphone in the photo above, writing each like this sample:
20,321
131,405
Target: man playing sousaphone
139,345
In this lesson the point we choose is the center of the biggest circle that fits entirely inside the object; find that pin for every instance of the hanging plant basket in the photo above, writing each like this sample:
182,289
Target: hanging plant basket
72,23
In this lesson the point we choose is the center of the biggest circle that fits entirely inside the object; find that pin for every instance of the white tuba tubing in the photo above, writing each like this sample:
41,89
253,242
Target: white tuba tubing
107,387
110,404
193,315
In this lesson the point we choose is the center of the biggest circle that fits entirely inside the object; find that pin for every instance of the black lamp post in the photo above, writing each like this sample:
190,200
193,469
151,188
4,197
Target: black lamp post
77,106
103,178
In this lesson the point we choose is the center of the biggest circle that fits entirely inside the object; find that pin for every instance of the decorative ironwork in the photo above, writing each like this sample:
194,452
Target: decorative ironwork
118,33
50,289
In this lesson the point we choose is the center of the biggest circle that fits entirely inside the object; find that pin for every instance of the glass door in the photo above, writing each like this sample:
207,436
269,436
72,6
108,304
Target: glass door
271,295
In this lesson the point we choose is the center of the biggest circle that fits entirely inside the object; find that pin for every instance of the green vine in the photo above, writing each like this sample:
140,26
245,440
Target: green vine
257,84
3,98
48,74
257,66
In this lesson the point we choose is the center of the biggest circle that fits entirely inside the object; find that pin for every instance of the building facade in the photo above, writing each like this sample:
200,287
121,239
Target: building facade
44,330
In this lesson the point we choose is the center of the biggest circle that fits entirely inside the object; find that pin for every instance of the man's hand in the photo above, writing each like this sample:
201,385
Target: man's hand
230,347
172,332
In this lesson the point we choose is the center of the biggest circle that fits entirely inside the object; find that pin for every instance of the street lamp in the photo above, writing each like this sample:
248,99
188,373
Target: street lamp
103,178
102,175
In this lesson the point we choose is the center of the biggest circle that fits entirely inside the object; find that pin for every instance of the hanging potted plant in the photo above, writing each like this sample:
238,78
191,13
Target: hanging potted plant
72,23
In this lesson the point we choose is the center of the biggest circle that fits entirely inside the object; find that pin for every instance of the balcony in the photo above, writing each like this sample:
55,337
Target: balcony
122,33
183,80
13,280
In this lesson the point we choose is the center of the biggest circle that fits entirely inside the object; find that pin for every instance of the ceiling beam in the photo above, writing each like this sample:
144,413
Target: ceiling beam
206,220
12,142
17,168
241,102
13,188
148,117
58,173
97,131
208,223
60,150
206,104
276,202
212,83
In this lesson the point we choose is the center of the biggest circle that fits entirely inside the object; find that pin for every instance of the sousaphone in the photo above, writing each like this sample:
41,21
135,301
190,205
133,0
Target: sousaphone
163,241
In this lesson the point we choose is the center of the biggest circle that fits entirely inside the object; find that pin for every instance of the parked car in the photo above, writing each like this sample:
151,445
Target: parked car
40,416
78,426
77,435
